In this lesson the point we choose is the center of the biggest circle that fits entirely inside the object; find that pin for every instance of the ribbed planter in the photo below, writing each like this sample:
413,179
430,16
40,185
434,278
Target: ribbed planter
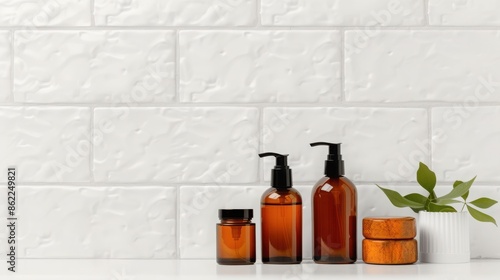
444,237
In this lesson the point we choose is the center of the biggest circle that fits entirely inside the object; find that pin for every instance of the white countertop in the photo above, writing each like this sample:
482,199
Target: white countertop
208,269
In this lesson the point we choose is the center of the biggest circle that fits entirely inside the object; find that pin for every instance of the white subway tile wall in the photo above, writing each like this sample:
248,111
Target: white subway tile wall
132,122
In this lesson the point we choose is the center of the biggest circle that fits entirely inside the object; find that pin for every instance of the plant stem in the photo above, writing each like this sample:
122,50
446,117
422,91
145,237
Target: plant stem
463,207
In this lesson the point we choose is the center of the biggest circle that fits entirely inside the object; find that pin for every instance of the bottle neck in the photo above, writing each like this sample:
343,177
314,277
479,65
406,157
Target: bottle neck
235,221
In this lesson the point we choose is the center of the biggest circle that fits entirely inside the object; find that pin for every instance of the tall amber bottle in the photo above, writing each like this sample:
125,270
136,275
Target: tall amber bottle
281,210
334,202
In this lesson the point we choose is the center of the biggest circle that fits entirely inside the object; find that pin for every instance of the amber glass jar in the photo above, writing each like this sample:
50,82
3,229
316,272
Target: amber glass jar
235,237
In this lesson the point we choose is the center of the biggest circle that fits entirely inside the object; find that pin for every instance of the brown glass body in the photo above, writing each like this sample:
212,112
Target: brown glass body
236,242
281,211
334,203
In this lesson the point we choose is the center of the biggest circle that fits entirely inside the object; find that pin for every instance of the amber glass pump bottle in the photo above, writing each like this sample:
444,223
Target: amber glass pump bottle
334,202
281,210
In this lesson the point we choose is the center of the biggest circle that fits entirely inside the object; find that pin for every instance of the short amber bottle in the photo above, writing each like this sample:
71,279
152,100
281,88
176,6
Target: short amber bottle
235,237
334,202
281,210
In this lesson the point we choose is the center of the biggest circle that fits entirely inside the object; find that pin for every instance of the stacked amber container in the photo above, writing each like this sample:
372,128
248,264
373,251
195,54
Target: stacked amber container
389,240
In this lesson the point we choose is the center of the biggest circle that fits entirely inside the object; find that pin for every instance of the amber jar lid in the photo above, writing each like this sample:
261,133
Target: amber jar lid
225,214
389,228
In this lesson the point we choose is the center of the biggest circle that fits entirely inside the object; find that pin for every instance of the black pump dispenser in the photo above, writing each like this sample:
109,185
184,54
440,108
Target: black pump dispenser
281,176
334,165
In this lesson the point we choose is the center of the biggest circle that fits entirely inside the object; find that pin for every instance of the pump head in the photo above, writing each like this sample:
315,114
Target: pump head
334,165
281,176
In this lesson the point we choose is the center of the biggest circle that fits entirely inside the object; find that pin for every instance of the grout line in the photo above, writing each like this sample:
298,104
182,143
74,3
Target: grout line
12,70
92,144
258,14
177,67
261,28
342,66
410,104
92,13
177,223
426,13
429,132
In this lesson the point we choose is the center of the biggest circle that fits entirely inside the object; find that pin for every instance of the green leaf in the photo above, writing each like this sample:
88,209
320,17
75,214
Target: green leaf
465,195
433,207
398,200
483,202
480,216
426,178
447,201
459,190
418,198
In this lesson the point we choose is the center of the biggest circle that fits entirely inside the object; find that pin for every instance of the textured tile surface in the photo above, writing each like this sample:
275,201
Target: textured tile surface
97,222
47,144
177,145
463,149
464,12
199,215
398,66
94,66
259,66
379,144
5,66
176,12
343,12
45,13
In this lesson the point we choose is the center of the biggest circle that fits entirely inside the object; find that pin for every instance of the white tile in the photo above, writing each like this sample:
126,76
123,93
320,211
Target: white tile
47,144
96,222
464,12
417,65
465,142
45,13
175,13
5,65
199,207
259,66
343,12
94,66
378,144
177,145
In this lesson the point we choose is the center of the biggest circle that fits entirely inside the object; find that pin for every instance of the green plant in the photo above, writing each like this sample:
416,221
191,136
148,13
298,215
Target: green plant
432,203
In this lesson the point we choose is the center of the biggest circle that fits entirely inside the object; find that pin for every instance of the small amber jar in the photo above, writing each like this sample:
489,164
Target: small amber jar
235,237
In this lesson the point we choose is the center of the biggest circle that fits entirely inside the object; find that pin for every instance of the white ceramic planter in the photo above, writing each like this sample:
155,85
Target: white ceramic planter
444,237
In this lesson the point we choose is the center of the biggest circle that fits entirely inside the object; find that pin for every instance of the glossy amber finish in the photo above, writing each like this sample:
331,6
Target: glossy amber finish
281,211
235,242
334,220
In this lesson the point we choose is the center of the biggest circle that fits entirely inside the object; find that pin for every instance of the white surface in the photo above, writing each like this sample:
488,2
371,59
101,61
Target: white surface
335,12
422,65
50,144
183,94
259,66
45,12
383,137
94,66
177,145
5,54
464,12
208,269
176,12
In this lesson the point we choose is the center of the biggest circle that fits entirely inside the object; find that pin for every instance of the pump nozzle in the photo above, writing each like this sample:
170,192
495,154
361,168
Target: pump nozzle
334,165
281,176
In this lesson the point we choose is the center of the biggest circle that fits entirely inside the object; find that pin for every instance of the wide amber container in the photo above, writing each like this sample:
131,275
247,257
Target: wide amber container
389,240
235,237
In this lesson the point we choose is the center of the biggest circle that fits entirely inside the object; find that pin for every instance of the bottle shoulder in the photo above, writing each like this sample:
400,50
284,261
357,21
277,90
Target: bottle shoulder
329,184
281,196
